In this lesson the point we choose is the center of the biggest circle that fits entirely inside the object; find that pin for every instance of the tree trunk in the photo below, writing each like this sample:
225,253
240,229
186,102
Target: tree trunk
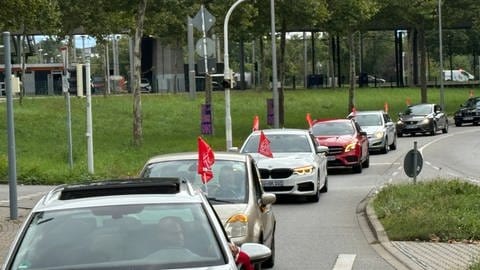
351,90
423,64
331,61
137,101
283,41
263,75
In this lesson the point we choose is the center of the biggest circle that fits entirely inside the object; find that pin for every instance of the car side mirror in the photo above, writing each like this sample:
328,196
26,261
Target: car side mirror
268,198
363,133
322,149
257,252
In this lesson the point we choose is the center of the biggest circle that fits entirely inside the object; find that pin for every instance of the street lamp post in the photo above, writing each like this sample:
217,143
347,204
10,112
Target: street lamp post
228,76
440,49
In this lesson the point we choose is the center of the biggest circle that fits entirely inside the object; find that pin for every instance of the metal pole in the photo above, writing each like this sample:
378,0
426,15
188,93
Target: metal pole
440,49
89,120
68,105
228,76
83,49
191,60
12,169
305,61
415,162
276,108
131,59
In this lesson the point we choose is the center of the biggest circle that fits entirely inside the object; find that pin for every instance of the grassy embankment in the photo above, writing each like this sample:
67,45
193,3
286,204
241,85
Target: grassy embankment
171,123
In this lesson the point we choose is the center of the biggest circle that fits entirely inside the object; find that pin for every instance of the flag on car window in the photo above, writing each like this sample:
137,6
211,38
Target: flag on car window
206,158
309,120
264,146
255,123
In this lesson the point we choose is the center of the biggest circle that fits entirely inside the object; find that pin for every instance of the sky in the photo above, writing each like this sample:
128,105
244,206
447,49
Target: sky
89,41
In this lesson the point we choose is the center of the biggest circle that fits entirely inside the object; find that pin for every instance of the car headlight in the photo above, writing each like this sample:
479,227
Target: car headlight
426,121
350,147
237,225
303,170
378,134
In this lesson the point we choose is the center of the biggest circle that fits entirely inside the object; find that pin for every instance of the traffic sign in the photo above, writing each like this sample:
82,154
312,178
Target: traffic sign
409,163
210,47
208,20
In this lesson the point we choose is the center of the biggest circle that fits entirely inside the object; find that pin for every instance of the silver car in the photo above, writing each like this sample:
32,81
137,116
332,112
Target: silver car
381,131
125,224
298,166
234,191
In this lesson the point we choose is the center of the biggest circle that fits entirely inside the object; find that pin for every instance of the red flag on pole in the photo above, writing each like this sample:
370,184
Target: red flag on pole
264,146
206,158
309,120
385,107
255,123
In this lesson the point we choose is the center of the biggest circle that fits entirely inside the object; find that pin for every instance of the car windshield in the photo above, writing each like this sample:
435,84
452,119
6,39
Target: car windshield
280,143
154,236
228,185
369,119
422,109
333,129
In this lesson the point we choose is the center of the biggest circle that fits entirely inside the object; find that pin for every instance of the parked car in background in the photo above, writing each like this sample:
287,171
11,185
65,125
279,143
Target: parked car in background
457,75
234,191
381,131
347,143
145,85
425,118
122,224
469,112
298,166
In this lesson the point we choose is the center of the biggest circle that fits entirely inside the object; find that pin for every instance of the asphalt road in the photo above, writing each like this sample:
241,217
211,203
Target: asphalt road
332,234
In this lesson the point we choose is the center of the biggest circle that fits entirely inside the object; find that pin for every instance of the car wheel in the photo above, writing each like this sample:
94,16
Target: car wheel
366,163
357,168
270,262
434,130
385,146
325,186
315,197
393,146
445,128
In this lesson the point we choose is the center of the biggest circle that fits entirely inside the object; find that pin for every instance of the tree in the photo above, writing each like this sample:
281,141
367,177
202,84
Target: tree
348,17
28,17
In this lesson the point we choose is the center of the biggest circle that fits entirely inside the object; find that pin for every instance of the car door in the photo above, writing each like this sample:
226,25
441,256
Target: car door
440,117
265,212
390,128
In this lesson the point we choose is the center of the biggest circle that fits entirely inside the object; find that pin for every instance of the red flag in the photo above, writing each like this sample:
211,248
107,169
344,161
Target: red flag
206,158
309,120
264,146
255,123
385,107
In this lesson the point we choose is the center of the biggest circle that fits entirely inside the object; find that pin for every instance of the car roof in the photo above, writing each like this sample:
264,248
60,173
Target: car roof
331,120
235,156
369,112
281,131
119,192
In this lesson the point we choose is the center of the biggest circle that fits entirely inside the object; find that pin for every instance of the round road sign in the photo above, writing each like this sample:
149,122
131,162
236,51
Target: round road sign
408,163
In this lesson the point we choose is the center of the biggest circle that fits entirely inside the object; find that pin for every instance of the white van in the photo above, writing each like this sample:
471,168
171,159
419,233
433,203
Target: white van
457,75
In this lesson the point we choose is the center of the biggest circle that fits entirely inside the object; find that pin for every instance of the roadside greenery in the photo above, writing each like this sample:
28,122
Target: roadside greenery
171,124
438,210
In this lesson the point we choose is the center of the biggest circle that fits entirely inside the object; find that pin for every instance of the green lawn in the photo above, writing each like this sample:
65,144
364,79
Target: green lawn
170,123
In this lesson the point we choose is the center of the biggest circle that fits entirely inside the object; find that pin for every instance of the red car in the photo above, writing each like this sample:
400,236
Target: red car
347,143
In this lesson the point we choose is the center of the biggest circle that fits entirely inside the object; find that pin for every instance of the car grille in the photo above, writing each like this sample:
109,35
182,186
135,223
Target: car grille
470,113
334,150
411,122
278,189
275,173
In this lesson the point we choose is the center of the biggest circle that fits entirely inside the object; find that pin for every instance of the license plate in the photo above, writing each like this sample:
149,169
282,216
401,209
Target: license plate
467,118
330,158
272,183
411,126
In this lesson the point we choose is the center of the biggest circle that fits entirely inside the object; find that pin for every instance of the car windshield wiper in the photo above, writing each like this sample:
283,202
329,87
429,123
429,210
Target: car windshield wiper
44,220
215,200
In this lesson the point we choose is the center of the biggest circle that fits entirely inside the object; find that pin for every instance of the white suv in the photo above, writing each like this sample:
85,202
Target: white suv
120,225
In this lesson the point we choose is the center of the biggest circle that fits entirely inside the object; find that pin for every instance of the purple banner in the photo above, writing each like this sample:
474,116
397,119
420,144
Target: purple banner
206,125
270,113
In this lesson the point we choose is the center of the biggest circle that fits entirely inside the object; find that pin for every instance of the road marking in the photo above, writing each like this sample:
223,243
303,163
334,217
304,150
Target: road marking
344,262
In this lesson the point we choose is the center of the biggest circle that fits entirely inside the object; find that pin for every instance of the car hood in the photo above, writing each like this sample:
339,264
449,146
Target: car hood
334,140
414,117
283,160
372,129
225,211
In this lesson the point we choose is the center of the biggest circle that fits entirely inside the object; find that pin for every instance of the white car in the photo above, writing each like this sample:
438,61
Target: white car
381,131
145,85
298,166
121,224
239,200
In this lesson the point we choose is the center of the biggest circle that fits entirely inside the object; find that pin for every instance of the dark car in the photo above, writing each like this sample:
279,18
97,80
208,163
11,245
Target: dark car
425,118
347,143
469,112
